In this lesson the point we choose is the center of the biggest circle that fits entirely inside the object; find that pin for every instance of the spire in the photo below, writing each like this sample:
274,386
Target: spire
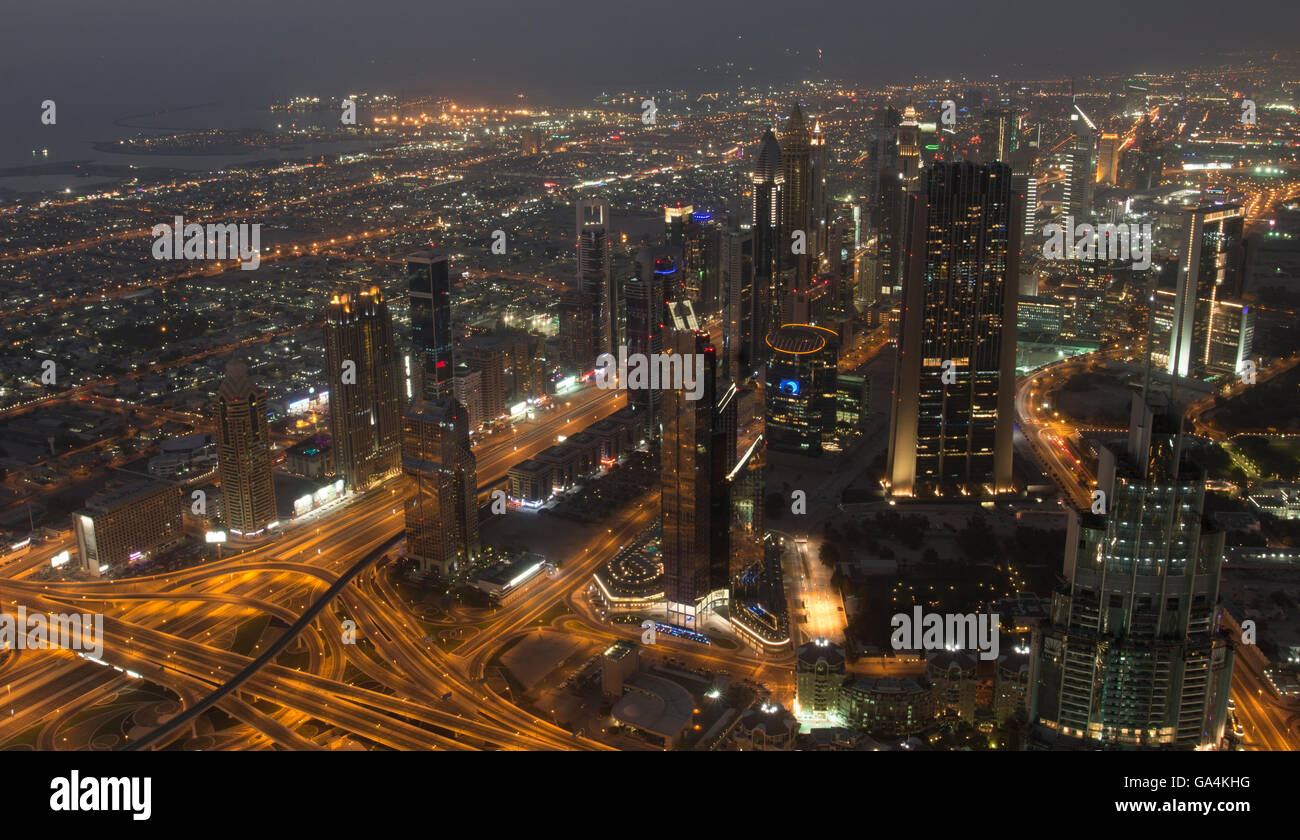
796,129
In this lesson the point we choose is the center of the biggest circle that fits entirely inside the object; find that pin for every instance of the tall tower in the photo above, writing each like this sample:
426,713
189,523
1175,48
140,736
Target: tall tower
365,415
796,164
768,182
954,381
742,323
429,286
442,515
596,275
1132,656
817,206
1078,184
1210,271
647,295
693,489
244,454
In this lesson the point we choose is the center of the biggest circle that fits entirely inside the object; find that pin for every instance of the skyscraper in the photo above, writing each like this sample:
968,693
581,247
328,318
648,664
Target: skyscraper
954,382
1210,271
817,204
796,165
1076,195
429,286
596,274
365,413
442,514
694,500
742,323
800,391
244,454
1108,159
768,183
1132,656
647,295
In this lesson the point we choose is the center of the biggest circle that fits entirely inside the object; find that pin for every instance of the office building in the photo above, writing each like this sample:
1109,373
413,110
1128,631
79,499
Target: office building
244,454
694,496
361,362
442,514
800,391
1210,274
123,526
1133,656
429,285
595,277
951,418
768,183
646,293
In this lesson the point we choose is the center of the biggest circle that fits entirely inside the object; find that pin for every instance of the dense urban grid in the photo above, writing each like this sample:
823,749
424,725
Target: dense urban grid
950,414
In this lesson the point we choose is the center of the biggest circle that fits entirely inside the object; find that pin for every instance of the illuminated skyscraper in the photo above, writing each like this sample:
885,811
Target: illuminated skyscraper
244,454
742,325
1077,187
800,389
817,204
596,275
1133,656
694,495
796,165
954,383
442,514
1108,159
365,413
429,286
1210,273
768,182
647,295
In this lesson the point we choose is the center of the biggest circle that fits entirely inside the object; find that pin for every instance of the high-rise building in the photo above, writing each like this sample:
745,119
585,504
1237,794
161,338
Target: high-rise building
129,524
694,497
244,454
1211,269
998,137
365,413
951,417
819,671
796,165
896,183
818,210
800,388
768,182
742,322
442,514
1076,194
1132,656
646,293
1108,148
1142,164
596,275
488,359
429,285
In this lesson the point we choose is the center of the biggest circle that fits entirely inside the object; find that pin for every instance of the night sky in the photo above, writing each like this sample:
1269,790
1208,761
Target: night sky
170,52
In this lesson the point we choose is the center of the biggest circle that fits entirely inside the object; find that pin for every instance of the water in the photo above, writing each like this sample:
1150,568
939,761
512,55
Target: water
25,141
